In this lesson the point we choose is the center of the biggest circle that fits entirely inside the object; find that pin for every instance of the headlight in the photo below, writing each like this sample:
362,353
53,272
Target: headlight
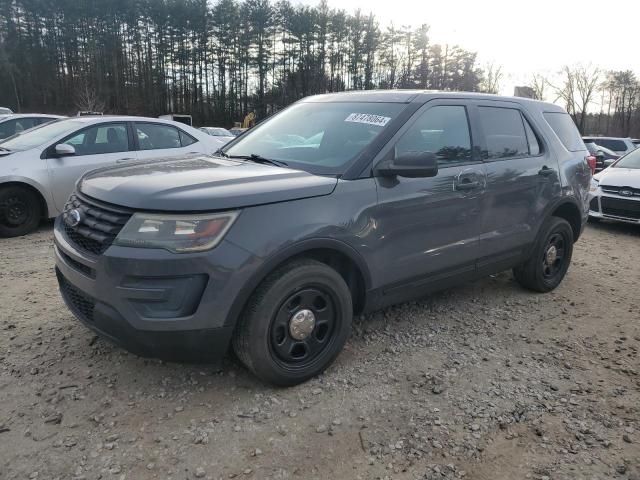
594,185
176,233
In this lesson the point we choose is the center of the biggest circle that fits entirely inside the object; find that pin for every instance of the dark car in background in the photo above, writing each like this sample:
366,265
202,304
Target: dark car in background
604,156
338,205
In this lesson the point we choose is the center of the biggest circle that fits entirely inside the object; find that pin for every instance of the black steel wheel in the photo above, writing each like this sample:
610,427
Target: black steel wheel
20,211
550,258
295,323
553,256
303,327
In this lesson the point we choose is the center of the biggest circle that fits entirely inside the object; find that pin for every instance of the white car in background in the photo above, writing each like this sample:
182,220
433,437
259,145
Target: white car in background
223,135
39,167
19,122
615,191
5,111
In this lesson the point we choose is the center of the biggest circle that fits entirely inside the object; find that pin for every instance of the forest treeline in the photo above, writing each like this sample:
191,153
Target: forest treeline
217,61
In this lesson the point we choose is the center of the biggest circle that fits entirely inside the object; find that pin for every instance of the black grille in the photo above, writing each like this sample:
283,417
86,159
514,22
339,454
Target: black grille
88,271
619,207
629,191
593,205
82,302
98,226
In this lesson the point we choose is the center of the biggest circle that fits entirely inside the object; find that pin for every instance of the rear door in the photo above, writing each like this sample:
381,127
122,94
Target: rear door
429,227
160,140
96,146
522,179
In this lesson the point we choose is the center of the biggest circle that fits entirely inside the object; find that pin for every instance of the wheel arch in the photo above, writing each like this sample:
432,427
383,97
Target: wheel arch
36,189
570,211
335,253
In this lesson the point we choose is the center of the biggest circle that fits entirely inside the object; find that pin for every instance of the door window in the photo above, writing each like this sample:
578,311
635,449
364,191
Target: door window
103,138
156,136
504,133
443,130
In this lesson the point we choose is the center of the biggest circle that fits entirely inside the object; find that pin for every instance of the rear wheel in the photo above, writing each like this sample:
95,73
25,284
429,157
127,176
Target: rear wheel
20,211
295,324
550,258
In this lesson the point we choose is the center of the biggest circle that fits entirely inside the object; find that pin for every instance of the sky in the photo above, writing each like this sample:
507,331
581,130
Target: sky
539,36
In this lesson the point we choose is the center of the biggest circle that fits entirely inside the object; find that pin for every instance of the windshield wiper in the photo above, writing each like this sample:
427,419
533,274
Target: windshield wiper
221,153
4,149
254,157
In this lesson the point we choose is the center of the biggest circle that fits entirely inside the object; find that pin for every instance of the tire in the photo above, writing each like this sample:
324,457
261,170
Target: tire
537,273
20,211
264,338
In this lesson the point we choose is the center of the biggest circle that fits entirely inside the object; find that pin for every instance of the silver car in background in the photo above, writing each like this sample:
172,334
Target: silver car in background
620,145
219,133
39,167
19,122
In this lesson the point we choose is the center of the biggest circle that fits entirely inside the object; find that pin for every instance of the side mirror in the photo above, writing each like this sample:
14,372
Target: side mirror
409,164
608,163
65,150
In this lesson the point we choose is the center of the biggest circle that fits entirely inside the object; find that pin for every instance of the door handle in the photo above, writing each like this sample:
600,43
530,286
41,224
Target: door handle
546,171
468,185
122,160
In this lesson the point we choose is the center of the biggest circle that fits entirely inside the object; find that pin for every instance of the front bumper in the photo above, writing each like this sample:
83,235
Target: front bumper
152,302
614,207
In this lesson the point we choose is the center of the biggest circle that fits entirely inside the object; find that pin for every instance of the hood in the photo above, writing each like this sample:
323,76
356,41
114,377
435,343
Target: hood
619,177
201,184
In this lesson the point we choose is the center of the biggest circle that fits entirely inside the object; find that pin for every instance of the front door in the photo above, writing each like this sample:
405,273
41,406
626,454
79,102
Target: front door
429,227
97,146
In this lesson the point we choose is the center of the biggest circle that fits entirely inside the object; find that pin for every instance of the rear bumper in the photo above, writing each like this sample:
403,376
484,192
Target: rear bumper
152,302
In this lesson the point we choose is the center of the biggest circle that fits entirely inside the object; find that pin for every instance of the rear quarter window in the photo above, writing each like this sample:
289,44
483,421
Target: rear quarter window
565,129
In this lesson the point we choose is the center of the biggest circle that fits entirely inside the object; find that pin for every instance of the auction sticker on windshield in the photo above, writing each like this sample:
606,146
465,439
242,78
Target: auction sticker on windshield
368,118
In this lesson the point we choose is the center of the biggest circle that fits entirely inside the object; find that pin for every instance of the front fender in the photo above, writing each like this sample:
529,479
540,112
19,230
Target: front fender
279,257
41,189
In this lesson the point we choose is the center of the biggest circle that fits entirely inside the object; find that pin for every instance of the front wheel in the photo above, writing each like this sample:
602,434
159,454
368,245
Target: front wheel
550,258
295,324
20,211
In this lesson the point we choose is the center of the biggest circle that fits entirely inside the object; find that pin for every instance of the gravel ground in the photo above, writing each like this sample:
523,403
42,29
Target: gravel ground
484,381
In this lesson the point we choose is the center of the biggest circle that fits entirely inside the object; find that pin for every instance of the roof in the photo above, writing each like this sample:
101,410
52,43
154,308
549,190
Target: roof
27,115
407,96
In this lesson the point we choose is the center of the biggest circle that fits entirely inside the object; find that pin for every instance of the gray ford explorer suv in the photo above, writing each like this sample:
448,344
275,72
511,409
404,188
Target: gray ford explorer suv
338,205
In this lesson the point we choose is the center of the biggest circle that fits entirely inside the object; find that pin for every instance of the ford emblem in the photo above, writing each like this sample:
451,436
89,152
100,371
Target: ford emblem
626,193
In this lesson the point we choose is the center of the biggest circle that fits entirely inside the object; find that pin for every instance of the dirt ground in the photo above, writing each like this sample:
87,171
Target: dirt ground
485,381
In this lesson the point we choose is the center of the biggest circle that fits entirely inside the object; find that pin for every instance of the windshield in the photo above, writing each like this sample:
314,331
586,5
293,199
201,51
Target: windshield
39,135
319,137
631,160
